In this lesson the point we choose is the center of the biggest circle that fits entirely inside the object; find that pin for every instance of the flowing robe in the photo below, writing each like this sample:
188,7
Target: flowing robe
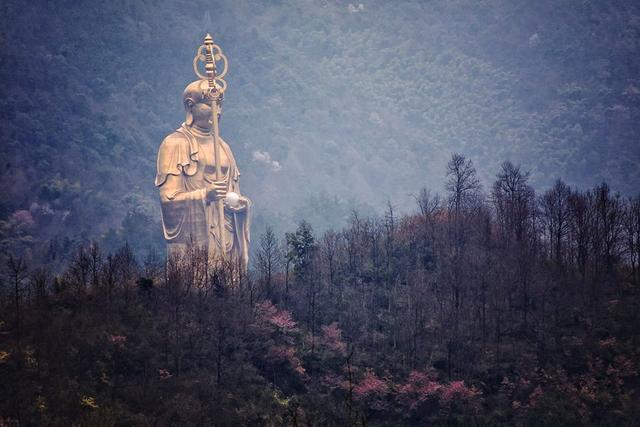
186,169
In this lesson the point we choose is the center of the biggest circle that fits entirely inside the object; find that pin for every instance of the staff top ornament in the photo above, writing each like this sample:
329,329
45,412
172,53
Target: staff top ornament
209,54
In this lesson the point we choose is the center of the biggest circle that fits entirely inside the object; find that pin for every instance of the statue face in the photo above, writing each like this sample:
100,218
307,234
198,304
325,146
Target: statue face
201,112
201,115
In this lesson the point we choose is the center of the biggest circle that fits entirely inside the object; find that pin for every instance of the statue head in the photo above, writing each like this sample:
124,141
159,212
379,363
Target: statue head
197,104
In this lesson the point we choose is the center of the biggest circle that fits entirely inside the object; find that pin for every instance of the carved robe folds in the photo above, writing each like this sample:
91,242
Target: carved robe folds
186,168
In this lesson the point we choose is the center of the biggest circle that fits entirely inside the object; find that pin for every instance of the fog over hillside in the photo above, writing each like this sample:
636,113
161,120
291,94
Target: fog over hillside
331,106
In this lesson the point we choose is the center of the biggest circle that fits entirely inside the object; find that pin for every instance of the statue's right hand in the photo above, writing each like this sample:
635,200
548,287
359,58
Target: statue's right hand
217,191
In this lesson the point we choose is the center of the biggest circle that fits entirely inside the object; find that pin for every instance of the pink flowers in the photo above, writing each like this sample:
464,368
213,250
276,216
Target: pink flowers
118,341
164,374
373,391
281,327
332,338
535,396
282,319
269,315
419,389
370,385
23,218
421,392
458,391
608,343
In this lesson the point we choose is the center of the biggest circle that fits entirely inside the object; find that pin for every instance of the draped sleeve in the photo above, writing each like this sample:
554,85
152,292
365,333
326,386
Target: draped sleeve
182,205
178,154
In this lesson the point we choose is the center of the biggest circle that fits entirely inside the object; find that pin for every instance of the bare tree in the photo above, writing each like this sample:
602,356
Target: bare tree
556,216
80,268
462,182
463,188
580,230
329,247
632,235
95,259
514,201
608,216
269,257
18,270
39,279
428,203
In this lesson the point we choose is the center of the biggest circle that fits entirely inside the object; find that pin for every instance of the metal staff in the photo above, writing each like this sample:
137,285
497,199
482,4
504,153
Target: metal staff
209,53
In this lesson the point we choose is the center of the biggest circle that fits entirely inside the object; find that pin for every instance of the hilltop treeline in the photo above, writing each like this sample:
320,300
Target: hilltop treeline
483,307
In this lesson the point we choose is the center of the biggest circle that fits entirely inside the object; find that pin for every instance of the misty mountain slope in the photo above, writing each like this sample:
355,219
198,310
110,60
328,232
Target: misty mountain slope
329,103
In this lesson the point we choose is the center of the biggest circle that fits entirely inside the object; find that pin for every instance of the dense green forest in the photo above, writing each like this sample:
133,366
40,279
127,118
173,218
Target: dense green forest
507,307
331,104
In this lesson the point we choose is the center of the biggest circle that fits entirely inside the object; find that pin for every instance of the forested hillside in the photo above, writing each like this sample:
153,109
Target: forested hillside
506,307
331,105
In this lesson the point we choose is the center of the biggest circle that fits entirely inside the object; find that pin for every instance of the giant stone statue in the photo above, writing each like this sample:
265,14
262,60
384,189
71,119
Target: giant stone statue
198,178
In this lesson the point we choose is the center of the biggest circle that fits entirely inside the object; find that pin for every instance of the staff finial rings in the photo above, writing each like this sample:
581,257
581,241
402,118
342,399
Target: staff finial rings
217,56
